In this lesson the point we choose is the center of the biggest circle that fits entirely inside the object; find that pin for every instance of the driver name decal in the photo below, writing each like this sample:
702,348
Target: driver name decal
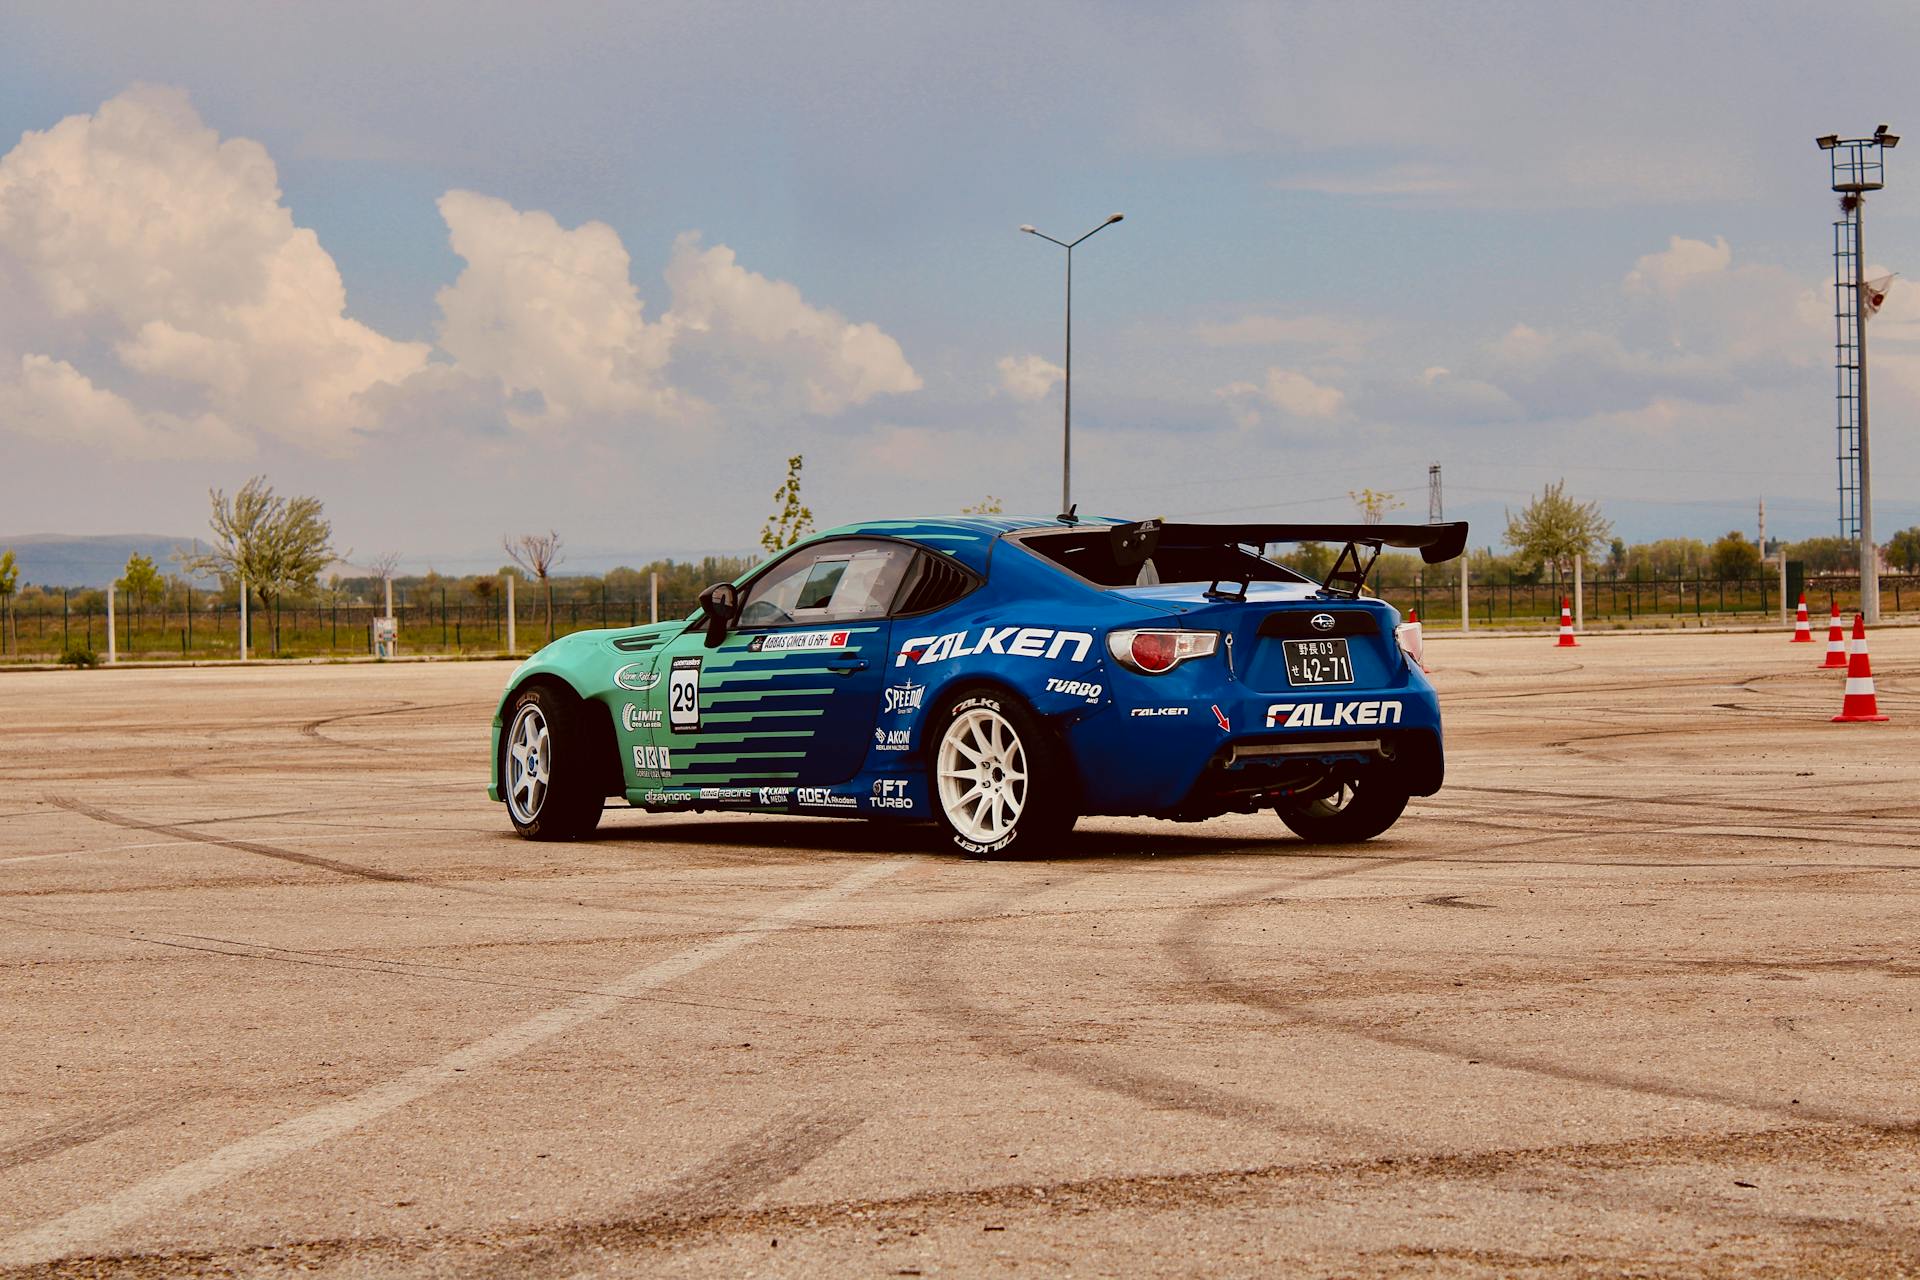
790,641
1336,715
1018,642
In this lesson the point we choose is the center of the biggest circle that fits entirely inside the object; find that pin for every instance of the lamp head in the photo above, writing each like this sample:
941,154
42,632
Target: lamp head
1829,142
1115,218
1028,228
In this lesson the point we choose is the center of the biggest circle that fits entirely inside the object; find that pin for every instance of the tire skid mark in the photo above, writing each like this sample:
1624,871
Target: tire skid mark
1135,1193
311,728
54,1139
934,979
1187,946
719,1187
253,847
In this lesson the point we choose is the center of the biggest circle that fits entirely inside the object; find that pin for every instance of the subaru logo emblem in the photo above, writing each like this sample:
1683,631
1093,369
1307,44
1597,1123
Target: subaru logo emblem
1323,622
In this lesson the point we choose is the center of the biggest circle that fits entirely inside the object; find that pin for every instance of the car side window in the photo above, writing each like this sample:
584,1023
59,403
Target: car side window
840,581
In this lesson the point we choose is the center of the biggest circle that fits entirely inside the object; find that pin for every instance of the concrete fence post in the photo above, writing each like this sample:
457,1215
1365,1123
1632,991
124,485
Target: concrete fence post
1579,607
512,644
113,639
1466,617
653,596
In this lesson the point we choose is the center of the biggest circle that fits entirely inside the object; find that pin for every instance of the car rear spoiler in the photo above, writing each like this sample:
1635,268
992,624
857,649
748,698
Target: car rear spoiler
1436,543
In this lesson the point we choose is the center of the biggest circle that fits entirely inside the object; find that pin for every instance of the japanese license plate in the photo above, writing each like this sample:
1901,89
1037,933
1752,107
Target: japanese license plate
1318,662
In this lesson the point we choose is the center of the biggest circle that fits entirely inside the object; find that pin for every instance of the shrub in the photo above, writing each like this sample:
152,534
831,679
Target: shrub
79,656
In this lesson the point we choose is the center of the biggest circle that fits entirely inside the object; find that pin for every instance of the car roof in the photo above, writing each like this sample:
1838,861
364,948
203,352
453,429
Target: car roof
966,538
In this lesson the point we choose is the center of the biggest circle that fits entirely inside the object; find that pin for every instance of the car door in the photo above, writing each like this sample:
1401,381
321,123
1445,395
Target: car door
791,696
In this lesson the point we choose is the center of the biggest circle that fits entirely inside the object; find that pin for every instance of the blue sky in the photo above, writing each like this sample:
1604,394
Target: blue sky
1523,241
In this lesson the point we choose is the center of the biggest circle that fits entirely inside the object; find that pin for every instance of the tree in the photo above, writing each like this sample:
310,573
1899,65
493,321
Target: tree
790,521
1312,559
1903,549
1373,505
1617,556
1553,529
987,506
1826,555
269,545
537,554
142,582
1734,557
9,583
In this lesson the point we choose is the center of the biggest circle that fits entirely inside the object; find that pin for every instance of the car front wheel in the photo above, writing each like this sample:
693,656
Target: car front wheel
547,769
1001,785
1354,810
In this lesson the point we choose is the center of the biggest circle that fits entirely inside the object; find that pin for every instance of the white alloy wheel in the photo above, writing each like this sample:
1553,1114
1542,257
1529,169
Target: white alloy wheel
983,775
529,763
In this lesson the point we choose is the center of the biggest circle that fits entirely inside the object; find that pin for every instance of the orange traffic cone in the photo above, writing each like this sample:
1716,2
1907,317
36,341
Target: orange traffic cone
1412,639
1566,625
1859,704
1836,641
1802,629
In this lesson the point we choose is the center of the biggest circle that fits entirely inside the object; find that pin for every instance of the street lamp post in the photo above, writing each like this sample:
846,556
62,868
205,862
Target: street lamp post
1066,421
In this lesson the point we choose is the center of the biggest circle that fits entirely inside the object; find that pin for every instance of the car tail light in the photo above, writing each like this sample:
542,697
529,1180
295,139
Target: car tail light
1411,643
1154,652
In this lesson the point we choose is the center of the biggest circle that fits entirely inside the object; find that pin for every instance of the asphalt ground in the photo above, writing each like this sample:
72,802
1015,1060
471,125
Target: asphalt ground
1635,994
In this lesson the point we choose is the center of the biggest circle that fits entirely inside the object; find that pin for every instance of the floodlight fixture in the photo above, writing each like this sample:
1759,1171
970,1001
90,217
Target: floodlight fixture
1826,143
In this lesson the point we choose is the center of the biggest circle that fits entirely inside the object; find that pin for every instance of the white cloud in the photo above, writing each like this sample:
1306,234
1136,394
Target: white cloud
1028,377
162,298
1681,261
553,312
52,400
138,228
1343,339
762,323
1291,392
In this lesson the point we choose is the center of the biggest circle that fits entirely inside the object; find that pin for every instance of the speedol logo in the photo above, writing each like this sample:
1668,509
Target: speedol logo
1334,715
893,739
889,793
1018,642
904,698
652,762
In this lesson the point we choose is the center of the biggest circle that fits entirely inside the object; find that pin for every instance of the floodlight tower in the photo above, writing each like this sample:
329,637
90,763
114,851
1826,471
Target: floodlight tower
1434,507
1858,167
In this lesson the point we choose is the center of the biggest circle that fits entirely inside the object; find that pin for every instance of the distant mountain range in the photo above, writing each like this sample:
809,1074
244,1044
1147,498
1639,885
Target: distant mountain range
63,560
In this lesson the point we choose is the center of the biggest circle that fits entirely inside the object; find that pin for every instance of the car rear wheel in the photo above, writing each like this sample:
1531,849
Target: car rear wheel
547,773
1002,787
1355,809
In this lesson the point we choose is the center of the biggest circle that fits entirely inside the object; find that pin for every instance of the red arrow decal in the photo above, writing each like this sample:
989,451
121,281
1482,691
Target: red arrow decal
1221,716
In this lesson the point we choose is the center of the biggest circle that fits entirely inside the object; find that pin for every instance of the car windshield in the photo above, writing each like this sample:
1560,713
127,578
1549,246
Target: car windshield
1088,553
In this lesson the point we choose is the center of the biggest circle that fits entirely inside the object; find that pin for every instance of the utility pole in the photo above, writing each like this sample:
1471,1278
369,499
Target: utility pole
1858,166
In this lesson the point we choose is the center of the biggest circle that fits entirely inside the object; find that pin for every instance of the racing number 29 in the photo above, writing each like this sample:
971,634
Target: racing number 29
683,694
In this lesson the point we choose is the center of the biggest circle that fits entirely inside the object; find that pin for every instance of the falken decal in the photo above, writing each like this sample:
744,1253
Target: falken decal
792,641
1142,713
1331,715
636,677
1017,642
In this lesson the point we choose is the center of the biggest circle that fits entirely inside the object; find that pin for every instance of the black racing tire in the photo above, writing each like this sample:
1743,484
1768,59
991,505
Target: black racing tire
559,797
1001,785
1356,810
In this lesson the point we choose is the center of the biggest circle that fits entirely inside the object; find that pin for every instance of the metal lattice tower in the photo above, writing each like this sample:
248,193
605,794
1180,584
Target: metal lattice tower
1846,360
1859,166
1433,495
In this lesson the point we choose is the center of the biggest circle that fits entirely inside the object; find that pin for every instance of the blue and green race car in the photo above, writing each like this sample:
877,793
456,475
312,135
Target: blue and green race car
1001,678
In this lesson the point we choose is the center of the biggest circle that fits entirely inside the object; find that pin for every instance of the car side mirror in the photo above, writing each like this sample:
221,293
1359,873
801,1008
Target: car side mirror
722,603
